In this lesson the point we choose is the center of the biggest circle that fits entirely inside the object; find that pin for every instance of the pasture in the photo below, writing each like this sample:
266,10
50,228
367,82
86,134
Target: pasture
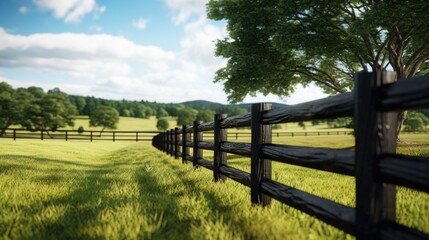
105,190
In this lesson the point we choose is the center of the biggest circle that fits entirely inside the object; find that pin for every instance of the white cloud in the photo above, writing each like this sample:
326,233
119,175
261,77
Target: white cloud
184,9
89,56
140,23
23,10
70,10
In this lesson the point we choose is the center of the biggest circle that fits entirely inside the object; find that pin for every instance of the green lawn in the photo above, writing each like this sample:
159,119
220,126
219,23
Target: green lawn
105,190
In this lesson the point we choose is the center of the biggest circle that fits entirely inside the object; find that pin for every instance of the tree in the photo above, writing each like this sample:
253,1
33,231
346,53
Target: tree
105,117
186,115
161,113
162,124
274,45
415,121
205,115
48,111
301,124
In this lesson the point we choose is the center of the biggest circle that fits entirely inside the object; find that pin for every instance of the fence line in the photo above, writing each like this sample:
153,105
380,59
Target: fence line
374,163
69,135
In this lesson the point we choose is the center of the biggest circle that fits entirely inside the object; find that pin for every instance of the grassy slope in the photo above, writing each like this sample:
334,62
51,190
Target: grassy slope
54,189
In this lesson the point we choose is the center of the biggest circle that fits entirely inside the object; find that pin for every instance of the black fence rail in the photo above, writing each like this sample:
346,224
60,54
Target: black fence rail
70,135
374,163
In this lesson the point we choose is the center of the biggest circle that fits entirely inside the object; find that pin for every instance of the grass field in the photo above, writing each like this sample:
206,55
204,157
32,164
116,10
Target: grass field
105,190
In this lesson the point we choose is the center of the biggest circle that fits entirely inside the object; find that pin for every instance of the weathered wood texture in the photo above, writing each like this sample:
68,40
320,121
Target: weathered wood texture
209,126
260,167
176,143
326,159
375,201
340,105
185,149
236,174
406,94
338,215
205,163
220,158
236,121
236,148
407,171
198,137
206,145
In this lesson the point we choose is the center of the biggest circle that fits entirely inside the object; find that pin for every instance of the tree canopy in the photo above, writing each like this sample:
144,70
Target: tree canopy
48,111
104,116
162,124
272,45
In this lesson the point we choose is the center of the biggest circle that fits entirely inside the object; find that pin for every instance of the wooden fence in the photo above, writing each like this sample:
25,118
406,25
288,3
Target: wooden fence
69,135
374,105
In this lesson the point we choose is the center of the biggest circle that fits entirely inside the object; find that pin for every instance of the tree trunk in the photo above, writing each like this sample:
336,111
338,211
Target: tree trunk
49,135
401,118
101,132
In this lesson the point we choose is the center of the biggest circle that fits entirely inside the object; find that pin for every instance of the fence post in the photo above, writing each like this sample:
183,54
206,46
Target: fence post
14,134
375,135
220,135
176,143
114,136
197,152
67,137
167,142
164,141
91,136
172,142
260,167
185,149
41,135
137,136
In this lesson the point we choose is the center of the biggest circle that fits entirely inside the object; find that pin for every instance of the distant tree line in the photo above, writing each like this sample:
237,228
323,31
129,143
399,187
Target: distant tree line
34,109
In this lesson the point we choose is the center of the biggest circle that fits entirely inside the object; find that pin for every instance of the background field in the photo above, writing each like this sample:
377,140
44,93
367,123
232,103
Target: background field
109,190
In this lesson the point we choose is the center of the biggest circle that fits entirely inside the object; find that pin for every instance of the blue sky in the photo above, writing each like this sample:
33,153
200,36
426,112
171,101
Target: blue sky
135,49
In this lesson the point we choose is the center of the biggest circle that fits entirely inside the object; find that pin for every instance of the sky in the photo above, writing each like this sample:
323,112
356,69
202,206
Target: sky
152,50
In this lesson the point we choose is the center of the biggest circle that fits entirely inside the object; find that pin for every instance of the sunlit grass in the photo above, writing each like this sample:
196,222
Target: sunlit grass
116,190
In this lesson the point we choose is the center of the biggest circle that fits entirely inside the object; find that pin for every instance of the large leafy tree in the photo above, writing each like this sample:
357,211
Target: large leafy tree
272,45
48,111
105,117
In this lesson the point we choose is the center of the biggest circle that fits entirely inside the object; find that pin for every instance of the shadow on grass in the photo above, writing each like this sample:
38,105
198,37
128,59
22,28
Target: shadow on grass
84,186
165,197
86,195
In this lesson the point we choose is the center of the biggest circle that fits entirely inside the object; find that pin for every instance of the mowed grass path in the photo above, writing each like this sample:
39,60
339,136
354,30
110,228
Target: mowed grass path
105,190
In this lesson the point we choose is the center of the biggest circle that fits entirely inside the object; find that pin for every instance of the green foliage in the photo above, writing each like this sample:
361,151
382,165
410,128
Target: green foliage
104,116
48,111
205,115
161,113
301,124
415,121
344,122
274,45
186,115
162,124
80,130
